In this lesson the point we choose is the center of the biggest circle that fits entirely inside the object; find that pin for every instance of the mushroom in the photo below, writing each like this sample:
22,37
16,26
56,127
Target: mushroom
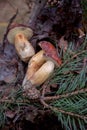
34,64
50,52
37,73
19,35
40,76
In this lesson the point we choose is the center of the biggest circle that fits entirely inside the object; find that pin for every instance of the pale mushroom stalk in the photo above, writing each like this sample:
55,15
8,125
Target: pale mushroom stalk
34,64
23,47
38,78
43,73
37,73
19,36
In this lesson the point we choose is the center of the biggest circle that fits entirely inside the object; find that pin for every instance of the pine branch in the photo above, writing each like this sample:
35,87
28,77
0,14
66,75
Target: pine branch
62,111
50,98
69,102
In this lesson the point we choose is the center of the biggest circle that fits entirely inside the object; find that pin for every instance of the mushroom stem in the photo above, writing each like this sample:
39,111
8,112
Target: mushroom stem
38,72
43,73
19,35
40,76
34,64
23,47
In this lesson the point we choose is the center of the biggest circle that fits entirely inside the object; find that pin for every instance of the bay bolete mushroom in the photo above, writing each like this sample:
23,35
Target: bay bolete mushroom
19,36
50,52
40,76
34,64
37,73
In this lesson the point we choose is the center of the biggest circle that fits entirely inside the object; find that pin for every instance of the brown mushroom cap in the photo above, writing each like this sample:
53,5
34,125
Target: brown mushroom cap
50,52
28,32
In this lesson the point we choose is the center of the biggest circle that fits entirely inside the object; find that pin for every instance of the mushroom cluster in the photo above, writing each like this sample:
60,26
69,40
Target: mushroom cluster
40,65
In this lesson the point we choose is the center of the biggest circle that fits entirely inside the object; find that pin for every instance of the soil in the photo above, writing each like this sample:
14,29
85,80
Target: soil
47,122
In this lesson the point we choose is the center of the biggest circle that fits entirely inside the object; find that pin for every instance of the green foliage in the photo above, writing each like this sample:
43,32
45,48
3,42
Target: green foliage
71,77
13,102
70,104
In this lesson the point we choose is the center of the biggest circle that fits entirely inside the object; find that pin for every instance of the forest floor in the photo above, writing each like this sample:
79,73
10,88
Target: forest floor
36,121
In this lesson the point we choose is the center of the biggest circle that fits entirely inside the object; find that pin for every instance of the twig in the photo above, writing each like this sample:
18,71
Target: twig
64,95
74,56
62,111
6,100
77,54
48,98
44,88
57,47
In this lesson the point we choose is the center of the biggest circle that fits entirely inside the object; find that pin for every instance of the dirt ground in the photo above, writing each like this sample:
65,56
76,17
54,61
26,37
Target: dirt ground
48,122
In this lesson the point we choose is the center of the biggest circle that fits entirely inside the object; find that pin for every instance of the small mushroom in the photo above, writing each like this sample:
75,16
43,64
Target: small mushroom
19,35
40,68
34,64
40,76
50,52
37,73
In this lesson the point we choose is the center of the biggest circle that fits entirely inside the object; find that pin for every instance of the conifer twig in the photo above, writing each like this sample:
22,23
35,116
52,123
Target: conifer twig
6,100
62,111
64,95
74,56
